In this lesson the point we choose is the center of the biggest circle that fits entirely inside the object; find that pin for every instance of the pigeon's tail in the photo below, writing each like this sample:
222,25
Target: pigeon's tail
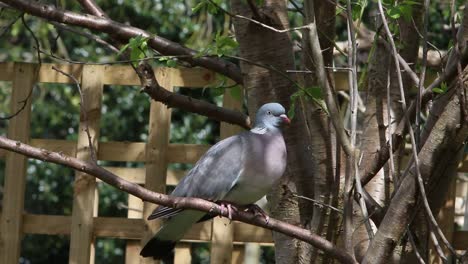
161,246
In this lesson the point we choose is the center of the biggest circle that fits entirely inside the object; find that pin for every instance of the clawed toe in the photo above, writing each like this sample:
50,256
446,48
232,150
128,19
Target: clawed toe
258,211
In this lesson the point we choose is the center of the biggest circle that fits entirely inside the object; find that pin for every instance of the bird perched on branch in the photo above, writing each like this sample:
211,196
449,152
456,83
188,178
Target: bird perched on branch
237,171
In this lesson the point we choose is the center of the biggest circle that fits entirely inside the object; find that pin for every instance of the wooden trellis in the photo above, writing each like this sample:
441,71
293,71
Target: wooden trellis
84,225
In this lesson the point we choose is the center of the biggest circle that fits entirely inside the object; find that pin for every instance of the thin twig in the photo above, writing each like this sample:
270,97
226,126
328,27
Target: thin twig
411,134
258,22
324,83
84,110
422,78
319,203
124,33
34,37
391,165
297,7
254,9
353,87
86,35
415,248
10,24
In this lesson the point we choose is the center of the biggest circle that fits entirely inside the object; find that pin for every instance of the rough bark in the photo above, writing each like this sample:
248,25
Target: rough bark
276,49
436,160
376,126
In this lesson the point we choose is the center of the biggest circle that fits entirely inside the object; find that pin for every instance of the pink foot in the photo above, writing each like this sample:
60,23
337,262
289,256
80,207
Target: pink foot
227,206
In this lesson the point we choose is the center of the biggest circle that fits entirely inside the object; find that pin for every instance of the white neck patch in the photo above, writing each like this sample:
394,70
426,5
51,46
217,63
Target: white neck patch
259,130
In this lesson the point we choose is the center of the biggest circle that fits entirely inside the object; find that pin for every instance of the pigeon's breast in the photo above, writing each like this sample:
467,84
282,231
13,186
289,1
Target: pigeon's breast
265,164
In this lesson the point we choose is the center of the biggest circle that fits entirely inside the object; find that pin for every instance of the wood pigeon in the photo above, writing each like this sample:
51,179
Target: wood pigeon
240,170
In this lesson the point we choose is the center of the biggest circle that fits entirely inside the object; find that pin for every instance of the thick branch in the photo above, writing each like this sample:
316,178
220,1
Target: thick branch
124,33
152,88
176,202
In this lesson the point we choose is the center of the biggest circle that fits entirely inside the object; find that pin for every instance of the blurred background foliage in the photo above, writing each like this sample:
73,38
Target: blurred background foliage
125,111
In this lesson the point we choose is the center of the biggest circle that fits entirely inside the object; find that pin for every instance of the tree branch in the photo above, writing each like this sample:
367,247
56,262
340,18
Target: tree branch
124,33
175,202
151,86
91,7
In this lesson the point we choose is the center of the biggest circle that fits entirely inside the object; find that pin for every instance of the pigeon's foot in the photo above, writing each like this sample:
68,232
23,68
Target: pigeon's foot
257,211
230,207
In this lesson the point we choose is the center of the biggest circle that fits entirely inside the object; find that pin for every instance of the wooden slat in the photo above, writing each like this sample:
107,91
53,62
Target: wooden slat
46,224
66,147
49,75
249,233
85,185
132,248
6,71
122,151
117,74
126,228
137,175
182,253
238,254
180,77
156,156
185,153
15,165
223,231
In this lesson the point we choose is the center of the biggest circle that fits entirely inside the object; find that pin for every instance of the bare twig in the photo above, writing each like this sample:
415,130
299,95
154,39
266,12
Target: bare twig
297,7
158,93
91,7
422,78
84,110
353,86
175,202
34,37
319,203
415,248
124,33
258,22
254,9
391,167
86,35
327,91
10,24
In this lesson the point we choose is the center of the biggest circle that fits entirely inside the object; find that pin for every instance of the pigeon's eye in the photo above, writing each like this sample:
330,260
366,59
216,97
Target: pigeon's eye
269,113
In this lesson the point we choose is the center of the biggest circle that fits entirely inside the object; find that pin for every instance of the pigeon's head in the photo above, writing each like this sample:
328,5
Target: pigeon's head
271,115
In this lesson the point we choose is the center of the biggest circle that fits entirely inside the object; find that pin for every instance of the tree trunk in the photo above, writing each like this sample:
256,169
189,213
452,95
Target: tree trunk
265,46
323,184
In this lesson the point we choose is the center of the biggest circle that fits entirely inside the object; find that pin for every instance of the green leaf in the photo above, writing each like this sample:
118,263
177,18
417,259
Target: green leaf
314,91
224,45
125,47
217,91
292,107
171,63
444,86
394,12
406,11
198,6
438,90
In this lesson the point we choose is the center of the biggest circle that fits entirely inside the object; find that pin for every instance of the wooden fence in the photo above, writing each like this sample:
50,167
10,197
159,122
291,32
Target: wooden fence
84,225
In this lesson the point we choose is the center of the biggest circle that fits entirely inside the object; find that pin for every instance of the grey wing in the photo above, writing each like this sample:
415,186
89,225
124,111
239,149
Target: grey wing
212,176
